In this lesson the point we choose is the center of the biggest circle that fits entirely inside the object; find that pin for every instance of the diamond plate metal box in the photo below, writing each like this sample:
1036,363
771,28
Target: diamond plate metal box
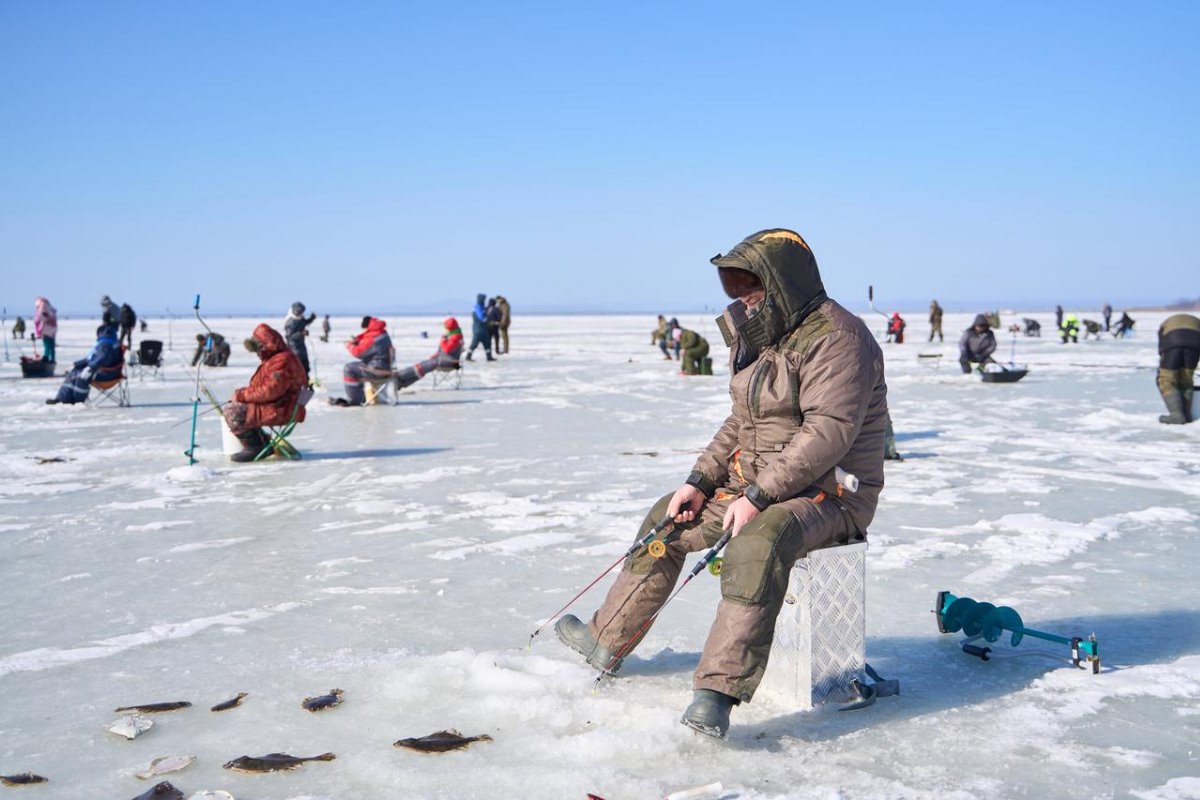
821,632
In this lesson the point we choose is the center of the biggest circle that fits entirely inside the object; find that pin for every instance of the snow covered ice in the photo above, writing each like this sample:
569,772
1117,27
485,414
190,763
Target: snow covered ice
409,555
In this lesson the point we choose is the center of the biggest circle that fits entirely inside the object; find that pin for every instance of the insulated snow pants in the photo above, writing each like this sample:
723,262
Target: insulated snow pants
407,376
353,376
754,580
1177,382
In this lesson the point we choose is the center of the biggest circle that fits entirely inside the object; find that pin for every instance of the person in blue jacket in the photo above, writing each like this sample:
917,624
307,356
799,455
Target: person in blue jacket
479,329
103,363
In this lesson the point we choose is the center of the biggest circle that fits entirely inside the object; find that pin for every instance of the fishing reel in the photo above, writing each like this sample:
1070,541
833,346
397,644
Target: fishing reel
658,549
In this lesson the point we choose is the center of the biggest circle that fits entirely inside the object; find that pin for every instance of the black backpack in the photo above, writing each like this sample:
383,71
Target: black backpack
128,318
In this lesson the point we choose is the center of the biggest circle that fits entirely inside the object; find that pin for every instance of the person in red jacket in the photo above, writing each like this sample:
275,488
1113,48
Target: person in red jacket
375,354
271,396
895,329
446,357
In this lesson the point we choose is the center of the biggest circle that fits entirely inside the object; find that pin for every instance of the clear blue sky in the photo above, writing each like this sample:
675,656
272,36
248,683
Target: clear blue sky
381,156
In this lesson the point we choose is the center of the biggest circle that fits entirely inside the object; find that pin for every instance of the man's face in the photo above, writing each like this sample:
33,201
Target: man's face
753,300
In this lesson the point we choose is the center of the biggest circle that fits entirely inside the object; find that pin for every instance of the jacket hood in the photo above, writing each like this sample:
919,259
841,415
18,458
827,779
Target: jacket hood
784,264
376,325
270,341
981,319
450,324
108,332
479,298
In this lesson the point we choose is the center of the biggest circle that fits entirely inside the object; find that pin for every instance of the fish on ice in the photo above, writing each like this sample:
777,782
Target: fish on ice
131,726
161,766
272,762
441,742
322,702
155,708
232,703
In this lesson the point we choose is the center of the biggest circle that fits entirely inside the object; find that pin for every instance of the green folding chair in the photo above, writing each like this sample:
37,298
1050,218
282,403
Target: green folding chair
278,444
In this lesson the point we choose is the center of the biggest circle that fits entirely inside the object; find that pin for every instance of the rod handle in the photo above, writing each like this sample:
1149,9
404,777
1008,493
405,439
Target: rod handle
974,650
196,307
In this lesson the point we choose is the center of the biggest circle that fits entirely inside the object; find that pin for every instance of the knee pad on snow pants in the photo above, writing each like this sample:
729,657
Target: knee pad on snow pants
758,562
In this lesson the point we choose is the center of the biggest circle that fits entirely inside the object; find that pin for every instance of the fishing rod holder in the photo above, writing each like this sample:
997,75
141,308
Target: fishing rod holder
990,622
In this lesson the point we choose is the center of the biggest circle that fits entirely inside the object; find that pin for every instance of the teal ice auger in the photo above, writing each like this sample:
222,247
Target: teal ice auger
989,622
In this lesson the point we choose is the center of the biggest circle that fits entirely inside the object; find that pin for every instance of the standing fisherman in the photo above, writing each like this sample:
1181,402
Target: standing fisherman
808,395
295,329
1178,356
935,321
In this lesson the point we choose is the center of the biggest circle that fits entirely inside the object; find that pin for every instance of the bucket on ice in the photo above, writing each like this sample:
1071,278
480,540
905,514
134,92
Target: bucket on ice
229,442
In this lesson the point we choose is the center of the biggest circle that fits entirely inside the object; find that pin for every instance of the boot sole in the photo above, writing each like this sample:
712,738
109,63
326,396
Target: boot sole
707,730
587,654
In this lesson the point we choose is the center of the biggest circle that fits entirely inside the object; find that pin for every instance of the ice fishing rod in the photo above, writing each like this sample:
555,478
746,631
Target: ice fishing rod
624,649
4,332
633,548
208,340
871,300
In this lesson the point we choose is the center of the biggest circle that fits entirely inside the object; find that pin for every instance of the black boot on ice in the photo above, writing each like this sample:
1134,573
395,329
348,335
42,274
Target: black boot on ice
252,444
575,634
709,713
1175,415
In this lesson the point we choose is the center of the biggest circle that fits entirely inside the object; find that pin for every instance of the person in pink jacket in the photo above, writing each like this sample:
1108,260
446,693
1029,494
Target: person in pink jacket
45,326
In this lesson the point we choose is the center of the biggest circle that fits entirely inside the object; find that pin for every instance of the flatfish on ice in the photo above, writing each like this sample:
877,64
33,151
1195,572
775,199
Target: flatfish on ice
161,766
131,726
155,708
233,703
334,698
273,762
23,779
441,741
161,791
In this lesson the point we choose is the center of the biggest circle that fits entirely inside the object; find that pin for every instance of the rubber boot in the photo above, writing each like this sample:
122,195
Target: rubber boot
574,633
709,713
252,444
1189,398
1175,414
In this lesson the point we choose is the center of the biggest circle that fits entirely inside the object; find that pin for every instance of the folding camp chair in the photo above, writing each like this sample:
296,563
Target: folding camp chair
450,376
277,443
148,358
114,392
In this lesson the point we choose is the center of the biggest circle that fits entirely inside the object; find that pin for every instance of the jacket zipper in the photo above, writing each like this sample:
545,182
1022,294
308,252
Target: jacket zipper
755,387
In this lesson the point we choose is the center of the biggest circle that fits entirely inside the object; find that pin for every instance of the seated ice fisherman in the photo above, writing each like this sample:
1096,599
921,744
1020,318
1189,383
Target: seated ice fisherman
271,396
977,344
693,350
448,353
103,363
373,349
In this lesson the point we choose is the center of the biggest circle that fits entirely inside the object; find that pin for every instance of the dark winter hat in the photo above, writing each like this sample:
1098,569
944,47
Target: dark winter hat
981,320
106,301
738,282
297,308
365,321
